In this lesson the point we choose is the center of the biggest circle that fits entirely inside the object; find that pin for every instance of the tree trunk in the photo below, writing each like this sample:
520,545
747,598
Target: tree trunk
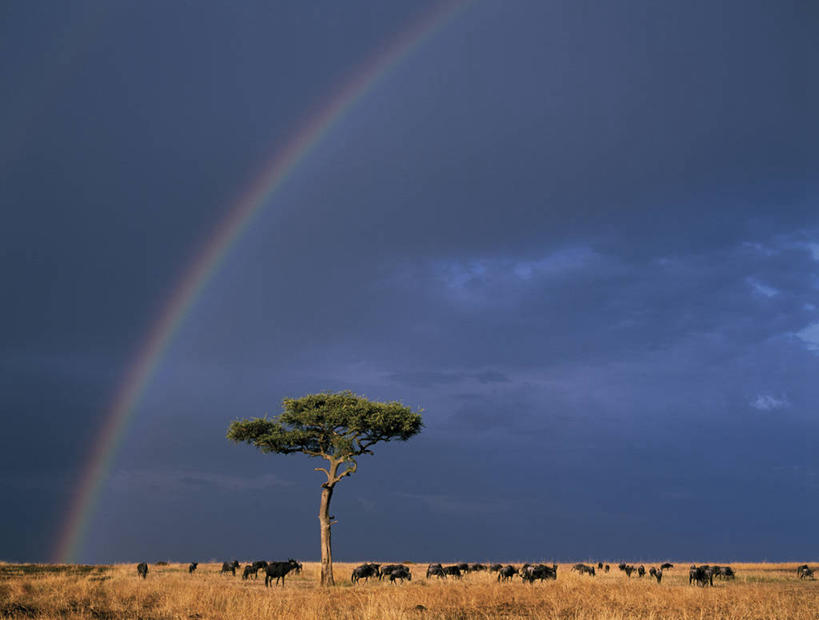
324,521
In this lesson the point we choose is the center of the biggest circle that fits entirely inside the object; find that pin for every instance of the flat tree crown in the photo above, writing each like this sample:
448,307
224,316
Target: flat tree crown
335,425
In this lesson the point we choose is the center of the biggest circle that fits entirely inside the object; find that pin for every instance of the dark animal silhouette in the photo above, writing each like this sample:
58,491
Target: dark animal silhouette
621,566
477,567
607,568
388,568
278,570
657,573
726,572
666,566
436,570
804,571
701,575
402,573
494,568
142,570
254,568
641,571
454,570
628,568
507,572
584,569
365,571
538,571
192,567
463,567
599,566
229,567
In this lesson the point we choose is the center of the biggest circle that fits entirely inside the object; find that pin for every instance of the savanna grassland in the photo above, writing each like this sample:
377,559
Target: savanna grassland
169,592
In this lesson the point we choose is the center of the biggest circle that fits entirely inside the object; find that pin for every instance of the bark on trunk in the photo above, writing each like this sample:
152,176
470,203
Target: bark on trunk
325,523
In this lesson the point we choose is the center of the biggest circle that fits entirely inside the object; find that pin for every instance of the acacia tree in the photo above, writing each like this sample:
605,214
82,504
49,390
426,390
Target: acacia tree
336,426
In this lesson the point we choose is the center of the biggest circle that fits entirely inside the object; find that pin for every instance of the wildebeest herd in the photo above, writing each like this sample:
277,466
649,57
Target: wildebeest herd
275,572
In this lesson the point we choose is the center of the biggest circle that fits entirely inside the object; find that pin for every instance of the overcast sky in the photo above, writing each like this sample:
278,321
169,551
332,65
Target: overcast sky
583,237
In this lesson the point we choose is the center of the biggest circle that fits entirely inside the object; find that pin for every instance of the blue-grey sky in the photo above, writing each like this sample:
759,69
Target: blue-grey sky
583,237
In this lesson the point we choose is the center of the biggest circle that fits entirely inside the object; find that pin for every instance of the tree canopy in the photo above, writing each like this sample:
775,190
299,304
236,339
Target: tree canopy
331,425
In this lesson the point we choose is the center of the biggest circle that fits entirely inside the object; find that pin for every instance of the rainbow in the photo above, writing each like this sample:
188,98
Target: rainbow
208,260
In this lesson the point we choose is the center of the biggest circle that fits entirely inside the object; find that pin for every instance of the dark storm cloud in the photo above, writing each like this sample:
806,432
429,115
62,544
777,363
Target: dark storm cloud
584,241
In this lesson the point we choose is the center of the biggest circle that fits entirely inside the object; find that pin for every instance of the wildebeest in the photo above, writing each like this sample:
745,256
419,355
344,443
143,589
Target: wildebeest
641,571
507,572
657,573
477,567
278,570
365,571
726,572
254,568
402,573
388,568
455,570
142,570
666,566
622,566
805,572
494,568
436,570
701,575
229,567
538,571
628,569
192,566
463,567
607,568
584,569
599,566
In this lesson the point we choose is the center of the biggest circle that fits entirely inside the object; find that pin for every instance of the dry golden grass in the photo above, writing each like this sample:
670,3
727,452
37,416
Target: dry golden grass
760,591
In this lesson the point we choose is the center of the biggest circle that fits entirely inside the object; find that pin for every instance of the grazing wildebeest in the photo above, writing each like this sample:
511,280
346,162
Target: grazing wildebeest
622,566
142,570
804,571
666,566
657,573
538,571
192,567
365,571
254,568
584,569
436,570
454,570
628,569
229,567
507,572
494,568
599,566
387,569
278,570
476,567
402,573
641,571
701,575
464,567
726,572
607,568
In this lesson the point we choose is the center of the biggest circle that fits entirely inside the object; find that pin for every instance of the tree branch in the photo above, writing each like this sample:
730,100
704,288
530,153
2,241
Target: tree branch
351,469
